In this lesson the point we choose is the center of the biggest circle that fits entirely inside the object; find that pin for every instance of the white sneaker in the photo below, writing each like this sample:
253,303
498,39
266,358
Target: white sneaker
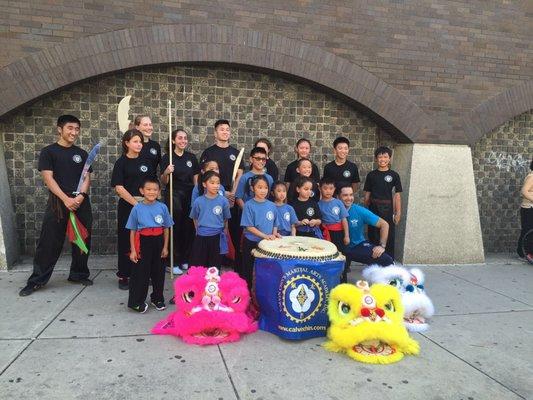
184,267
176,270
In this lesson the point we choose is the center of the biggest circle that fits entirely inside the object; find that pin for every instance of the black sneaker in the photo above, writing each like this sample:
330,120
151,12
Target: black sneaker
83,281
123,283
29,289
172,301
159,305
140,309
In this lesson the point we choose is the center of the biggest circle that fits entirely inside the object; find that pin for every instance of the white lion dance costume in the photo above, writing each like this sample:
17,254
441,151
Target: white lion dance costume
418,306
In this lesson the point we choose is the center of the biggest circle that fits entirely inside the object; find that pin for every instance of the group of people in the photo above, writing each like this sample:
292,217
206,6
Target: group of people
220,210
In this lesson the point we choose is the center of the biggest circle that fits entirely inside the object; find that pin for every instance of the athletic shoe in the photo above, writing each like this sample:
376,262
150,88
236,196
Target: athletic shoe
159,305
171,301
529,258
123,283
84,281
184,267
29,289
176,270
140,309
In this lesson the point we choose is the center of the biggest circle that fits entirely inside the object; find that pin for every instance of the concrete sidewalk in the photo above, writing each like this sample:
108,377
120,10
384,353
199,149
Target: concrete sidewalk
73,342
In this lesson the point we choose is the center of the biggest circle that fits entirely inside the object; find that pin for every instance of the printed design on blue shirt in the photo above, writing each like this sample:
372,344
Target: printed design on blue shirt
76,158
143,168
336,210
310,211
270,216
346,173
158,218
388,178
354,222
217,210
287,216
189,164
153,151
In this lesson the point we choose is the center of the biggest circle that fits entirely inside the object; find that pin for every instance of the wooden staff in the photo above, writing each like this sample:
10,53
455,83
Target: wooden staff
171,150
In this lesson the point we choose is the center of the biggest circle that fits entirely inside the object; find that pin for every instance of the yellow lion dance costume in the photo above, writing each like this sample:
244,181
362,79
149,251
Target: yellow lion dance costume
367,323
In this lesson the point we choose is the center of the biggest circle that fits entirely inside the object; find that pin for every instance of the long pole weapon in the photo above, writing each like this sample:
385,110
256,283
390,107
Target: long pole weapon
171,203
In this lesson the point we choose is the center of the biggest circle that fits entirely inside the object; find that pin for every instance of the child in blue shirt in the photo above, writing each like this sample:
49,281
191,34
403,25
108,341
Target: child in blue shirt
210,213
148,223
334,215
244,192
287,218
259,221
198,190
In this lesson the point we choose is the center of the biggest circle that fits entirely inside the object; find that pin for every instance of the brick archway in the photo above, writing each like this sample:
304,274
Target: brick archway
498,109
63,65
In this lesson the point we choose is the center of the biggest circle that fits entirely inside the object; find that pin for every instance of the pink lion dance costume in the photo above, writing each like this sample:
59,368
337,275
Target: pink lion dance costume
210,308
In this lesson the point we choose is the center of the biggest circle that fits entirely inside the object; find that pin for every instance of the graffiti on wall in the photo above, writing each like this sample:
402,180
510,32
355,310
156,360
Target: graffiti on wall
508,162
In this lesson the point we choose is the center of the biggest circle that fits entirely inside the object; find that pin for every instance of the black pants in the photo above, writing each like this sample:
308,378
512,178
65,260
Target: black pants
123,239
248,260
206,251
385,212
183,230
148,267
526,222
337,238
235,230
52,238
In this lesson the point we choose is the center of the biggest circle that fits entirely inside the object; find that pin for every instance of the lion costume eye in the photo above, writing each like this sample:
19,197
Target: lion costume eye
344,309
236,300
395,282
187,297
390,306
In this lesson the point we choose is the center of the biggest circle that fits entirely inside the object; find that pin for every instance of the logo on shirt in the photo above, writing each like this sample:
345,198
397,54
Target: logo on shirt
336,210
270,216
287,216
388,178
310,211
232,157
354,222
153,151
217,210
76,158
189,164
158,218
346,174
143,168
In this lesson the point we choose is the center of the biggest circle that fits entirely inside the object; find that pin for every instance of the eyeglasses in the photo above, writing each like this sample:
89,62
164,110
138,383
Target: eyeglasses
262,159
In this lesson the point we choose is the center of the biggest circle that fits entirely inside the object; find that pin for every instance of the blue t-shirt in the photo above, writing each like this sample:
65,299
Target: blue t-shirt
333,211
286,218
358,217
196,192
153,215
261,215
210,213
244,189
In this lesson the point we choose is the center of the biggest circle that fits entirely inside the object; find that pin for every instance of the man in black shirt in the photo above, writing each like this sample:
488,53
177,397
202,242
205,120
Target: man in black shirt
151,151
225,155
342,171
61,166
382,196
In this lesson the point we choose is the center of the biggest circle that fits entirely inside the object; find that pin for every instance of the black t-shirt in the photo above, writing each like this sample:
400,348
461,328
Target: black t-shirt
291,173
66,164
292,194
272,169
306,209
131,173
343,175
151,152
225,157
380,184
185,167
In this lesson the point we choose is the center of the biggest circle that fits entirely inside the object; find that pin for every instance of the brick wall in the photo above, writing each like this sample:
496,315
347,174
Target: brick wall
257,104
501,161
448,56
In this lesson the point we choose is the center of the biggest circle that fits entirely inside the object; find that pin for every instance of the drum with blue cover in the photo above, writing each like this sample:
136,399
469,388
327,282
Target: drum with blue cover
293,278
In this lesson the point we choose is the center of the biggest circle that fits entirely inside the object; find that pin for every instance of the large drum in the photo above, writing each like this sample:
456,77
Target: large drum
293,277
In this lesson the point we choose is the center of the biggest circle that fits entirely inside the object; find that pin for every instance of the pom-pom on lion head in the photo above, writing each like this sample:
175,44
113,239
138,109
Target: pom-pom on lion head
210,308
367,323
418,306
